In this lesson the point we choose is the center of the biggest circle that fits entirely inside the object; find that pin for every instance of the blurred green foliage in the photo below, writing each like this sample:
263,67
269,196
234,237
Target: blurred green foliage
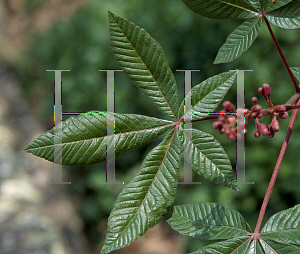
190,42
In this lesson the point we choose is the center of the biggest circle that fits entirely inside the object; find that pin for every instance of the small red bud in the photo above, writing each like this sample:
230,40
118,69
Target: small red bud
227,131
256,134
222,119
261,91
280,108
246,111
283,115
254,99
271,133
256,108
221,131
217,125
275,125
263,129
267,89
228,106
230,136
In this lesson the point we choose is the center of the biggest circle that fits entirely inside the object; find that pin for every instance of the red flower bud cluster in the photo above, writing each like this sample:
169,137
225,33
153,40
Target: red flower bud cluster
226,123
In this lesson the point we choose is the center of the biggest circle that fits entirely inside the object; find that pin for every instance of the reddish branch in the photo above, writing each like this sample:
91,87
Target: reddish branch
282,56
277,166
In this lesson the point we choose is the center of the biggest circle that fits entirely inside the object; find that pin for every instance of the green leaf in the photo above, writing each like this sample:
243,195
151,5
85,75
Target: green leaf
260,4
207,221
296,72
84,139
287,17
143,61
241,245
222,9
284,227
239,41
207,95
276,4
268,5
270,246
144,201
208,158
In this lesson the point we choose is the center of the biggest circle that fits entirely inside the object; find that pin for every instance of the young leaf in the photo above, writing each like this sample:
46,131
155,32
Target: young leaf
144,201
208,158
296,72
239,41
287,17
84,137
226,9
143,61
284,227
207,95
207,221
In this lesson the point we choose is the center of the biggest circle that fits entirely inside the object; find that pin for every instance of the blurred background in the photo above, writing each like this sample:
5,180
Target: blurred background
35,35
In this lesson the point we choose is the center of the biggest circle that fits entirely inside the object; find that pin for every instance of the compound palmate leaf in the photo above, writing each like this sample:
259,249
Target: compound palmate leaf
222,9
239,41
208,158
287,17
84,139
207,221
207,95
144,201
143,61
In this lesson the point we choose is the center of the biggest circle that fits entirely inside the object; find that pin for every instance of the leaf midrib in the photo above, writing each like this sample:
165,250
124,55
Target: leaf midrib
120,133
169,145
175,117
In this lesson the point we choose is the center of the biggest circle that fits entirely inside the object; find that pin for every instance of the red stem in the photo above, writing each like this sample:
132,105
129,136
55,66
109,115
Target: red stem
276,169
282,56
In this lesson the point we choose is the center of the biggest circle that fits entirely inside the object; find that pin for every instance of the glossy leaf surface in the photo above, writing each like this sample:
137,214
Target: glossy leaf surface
239,41
143,61
217,9
207,221
84,139
284,227
144,201
240,245
296,72
207,95
287,17
208,158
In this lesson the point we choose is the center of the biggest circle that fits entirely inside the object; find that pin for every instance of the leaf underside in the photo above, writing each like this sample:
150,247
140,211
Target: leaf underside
84,139
143,61
144,201
239,41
